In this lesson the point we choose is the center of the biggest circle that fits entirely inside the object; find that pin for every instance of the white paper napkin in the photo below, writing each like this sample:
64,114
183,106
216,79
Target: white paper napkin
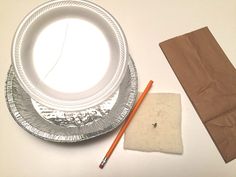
156,125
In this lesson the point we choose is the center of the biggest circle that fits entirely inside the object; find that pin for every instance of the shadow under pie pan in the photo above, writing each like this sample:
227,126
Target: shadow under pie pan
71,126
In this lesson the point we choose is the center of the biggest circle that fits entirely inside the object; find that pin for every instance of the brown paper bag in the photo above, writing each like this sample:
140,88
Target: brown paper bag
209,79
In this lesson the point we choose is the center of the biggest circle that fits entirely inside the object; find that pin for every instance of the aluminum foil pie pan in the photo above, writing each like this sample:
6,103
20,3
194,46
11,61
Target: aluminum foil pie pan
71,126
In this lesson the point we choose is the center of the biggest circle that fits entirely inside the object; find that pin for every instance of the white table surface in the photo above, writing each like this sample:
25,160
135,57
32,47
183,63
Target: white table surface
146,24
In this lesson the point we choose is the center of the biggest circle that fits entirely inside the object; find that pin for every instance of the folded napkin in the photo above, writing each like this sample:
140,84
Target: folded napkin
209,79
156,125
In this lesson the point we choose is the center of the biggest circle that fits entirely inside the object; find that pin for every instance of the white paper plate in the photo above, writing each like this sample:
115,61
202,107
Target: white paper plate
69,55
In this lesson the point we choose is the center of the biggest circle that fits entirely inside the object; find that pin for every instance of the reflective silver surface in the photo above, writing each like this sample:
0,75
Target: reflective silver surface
62,126
69,55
